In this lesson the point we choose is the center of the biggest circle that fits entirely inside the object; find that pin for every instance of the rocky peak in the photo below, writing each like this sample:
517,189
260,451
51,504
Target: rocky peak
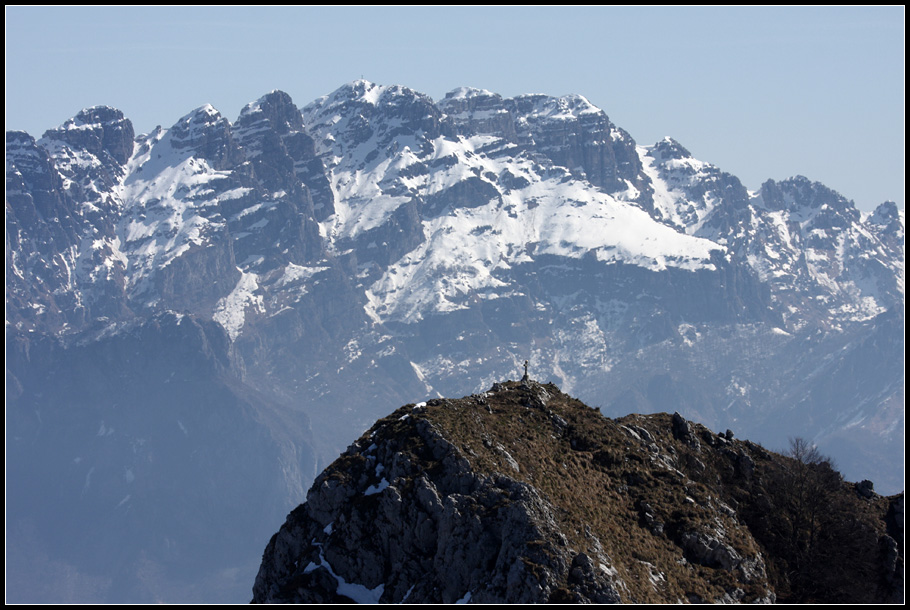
887,216
668,148
799,194
273,126
361,89
470,97
39,218
34,193
206,134
362,112
544,107
98,130
887,221
479,112
365,93
14,138
270,130
695,196
30,163
275,107
20,145
522,494
577,135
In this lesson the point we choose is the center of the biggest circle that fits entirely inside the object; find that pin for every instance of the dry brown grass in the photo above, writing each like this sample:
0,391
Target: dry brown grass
597,476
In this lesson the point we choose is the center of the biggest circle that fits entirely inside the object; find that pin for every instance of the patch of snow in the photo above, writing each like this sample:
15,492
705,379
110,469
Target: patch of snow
298,273
408,594
88,480
236,193
230,311
462,93
170,197
359,593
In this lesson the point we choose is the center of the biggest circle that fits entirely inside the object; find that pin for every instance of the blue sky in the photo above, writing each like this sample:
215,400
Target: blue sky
760,92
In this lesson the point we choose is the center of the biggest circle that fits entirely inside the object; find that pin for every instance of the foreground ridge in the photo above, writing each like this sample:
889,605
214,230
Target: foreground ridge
523,494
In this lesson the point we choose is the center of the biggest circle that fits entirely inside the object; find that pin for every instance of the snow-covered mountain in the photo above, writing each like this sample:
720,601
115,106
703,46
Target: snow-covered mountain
376,247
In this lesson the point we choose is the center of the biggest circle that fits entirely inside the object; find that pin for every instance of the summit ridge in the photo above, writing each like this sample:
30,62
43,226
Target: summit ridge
522,494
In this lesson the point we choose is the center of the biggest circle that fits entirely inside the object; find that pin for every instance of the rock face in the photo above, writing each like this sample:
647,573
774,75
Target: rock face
524,495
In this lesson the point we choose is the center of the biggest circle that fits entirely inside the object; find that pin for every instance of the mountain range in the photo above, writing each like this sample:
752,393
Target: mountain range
199,319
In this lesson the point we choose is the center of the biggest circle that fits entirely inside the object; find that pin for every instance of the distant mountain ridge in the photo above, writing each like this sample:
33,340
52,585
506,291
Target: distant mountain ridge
377,245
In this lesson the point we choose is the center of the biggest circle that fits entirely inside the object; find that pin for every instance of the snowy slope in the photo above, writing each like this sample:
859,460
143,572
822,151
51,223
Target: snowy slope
811,246
171,203
486,204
